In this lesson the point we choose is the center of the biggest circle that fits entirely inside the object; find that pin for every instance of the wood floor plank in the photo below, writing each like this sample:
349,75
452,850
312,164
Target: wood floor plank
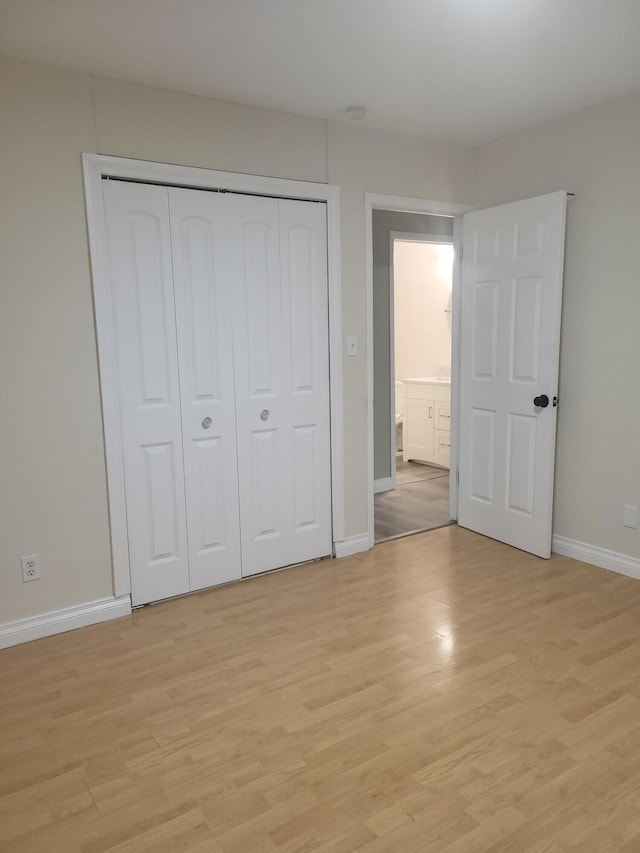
420,501
442,693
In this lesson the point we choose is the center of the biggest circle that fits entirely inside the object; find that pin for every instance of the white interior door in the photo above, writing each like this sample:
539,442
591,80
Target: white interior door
203,304
139,248
510,335
282,381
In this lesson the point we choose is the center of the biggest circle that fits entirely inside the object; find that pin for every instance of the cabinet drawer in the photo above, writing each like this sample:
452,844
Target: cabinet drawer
425,391
441,441
442,415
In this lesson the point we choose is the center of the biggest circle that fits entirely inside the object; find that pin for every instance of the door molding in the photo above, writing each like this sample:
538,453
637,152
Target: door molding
95,168
377,201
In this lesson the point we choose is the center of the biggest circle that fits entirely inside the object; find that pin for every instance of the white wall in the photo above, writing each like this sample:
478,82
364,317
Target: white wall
362,161
168,127
422,274
53,498
53,487
596,154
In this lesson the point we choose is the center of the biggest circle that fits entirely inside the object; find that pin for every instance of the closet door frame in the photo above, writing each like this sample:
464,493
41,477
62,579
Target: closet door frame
96,167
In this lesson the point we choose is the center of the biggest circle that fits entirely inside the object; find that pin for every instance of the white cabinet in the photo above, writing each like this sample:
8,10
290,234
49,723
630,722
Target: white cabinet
427,418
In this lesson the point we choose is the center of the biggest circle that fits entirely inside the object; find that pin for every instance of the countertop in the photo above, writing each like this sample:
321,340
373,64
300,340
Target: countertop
426,380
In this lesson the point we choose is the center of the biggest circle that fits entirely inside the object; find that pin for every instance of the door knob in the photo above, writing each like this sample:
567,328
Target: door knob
206,423
542,401
264,414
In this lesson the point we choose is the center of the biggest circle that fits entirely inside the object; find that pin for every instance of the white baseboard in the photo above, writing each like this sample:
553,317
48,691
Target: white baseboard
384,484
58,621
352,545
611,560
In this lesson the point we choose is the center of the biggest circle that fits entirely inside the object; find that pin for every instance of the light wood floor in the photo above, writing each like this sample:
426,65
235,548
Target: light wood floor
420,501
440,693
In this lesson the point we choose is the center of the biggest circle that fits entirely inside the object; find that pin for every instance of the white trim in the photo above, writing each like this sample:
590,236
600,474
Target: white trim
376,201
421,237
406,204
392,374
98,166
103,312
352,545
456,316
59,621
95,167
334,268
601,557
385,484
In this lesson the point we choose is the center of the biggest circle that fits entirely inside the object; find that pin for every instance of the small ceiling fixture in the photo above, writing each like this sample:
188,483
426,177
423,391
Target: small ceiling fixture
356,113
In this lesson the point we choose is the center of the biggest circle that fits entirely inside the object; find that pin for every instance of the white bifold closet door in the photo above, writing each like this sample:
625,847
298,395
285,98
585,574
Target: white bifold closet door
281,355
203,299
221,328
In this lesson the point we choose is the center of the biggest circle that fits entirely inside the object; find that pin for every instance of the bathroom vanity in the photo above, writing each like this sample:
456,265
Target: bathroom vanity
427,420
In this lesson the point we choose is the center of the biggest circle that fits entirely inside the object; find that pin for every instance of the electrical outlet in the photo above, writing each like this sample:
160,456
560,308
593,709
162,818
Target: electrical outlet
630,516
31,570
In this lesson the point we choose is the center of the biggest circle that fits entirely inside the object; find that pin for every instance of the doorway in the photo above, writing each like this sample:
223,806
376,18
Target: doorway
493,441
415,497
413,216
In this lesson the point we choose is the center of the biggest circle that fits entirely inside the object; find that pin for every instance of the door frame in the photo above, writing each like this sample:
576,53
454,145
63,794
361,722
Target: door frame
377,201
95,168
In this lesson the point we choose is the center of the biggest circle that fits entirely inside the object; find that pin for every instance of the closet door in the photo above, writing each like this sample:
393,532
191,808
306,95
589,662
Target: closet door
305,318
203,300
137,219
282,381
220,310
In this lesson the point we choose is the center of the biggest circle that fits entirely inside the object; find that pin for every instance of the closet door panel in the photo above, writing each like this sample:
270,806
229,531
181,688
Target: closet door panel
305,309
260,298
137,218
262,457
282,383
203,305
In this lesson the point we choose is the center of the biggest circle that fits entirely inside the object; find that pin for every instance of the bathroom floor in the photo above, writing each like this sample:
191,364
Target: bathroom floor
419,502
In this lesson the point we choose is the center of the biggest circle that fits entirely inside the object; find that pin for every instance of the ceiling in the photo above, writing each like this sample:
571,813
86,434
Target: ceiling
462,70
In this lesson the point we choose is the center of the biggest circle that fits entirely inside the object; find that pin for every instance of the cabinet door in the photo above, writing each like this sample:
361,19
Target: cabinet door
139,247
203,293
418,435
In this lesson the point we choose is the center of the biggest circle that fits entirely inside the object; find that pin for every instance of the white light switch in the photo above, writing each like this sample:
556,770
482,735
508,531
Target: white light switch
352,345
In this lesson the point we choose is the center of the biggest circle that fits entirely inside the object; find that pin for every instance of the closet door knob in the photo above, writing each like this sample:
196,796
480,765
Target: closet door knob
542,401
264,415
206,423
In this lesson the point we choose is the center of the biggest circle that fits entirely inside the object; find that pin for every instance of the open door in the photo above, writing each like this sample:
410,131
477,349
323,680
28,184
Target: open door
511,298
